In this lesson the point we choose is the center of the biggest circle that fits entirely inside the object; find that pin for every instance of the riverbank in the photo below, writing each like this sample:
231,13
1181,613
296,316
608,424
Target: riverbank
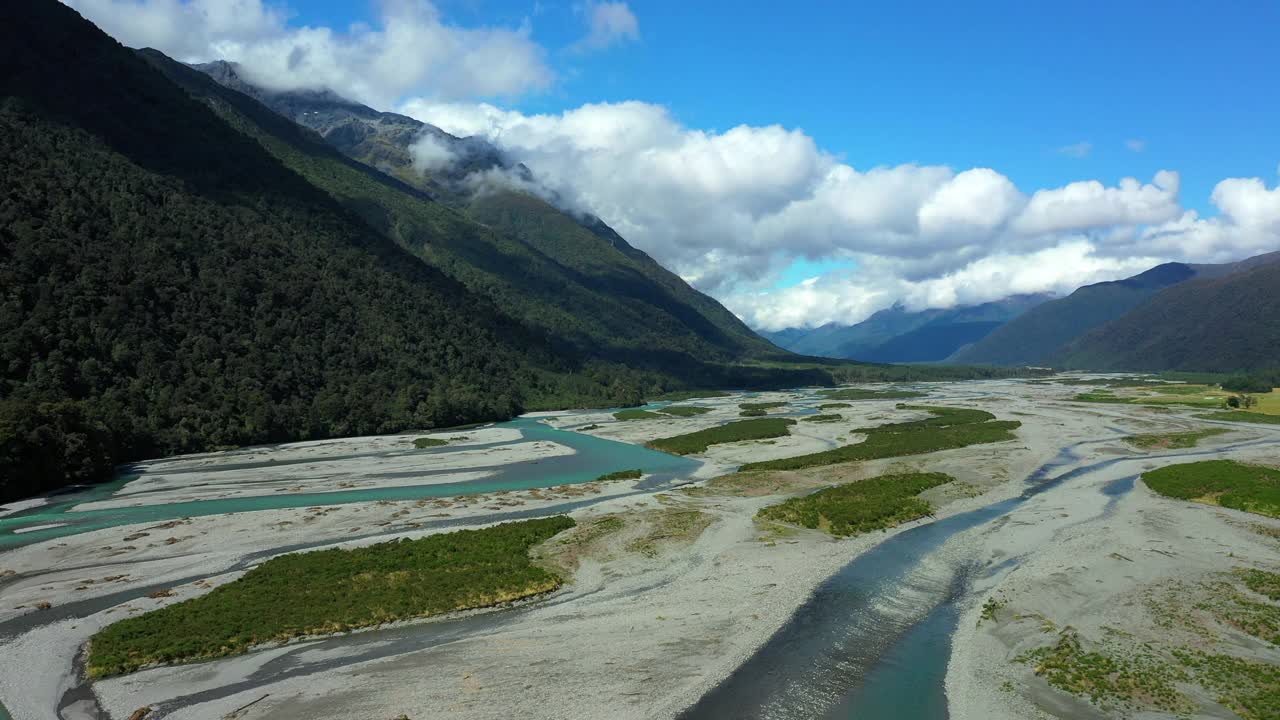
1131,576
656,615
649,629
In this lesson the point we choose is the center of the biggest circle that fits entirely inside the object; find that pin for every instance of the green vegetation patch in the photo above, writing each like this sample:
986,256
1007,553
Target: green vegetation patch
762,405
426,442
681,395
636,415
1251,488
684,410
861,394
832,417
873,504
833,406
1100,396
327,591
1242,416
696,442
1172,440
1261,582
620,475
669,527
1250,689
1110,678
753,413
948,428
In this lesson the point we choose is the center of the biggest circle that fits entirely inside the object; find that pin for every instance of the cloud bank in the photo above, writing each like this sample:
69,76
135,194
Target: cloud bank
410,50
728,210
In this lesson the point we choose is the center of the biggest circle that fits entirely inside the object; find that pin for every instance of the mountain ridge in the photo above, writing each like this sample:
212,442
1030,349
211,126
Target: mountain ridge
1225,322
1035,337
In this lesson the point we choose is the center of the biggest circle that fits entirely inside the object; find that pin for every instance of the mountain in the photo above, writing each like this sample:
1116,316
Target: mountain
170,286
1040,335
897,335
1033,337
382,140
832,339
945,333
569,277
184,269
1227,322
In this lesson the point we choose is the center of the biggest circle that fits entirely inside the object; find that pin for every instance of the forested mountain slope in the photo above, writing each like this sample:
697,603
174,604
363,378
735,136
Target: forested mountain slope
170,286
572,276
1034,336
1220,324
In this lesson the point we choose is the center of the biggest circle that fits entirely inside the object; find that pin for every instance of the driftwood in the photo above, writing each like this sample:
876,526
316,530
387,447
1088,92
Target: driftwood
236,713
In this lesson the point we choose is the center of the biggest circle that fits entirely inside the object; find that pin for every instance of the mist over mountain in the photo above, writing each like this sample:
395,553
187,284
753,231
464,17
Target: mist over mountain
898,335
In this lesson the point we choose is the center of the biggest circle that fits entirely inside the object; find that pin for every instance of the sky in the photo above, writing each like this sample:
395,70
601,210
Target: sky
814,162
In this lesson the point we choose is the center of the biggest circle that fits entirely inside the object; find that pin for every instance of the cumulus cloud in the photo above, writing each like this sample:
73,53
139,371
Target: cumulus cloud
1136,145
1076,150
846,298
727,210
411,49
608,23
1090,204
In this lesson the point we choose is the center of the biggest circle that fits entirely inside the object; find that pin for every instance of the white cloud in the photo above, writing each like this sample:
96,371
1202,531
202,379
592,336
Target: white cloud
1090,204
1136,145
1076,150
847,299
410,51
728,210
431,154
608,23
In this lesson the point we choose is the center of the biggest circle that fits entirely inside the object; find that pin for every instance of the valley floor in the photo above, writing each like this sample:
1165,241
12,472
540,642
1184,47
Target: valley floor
674,583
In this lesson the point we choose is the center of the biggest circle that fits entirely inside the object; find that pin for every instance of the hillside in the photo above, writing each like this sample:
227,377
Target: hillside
1031,338
1218,324
172,287
571,276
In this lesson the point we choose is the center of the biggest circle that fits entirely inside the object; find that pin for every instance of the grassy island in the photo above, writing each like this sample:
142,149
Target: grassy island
696,442
329,591
947,428
874,504
1228,483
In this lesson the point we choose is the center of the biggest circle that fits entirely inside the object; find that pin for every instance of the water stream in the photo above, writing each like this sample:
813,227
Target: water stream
873,641
592,457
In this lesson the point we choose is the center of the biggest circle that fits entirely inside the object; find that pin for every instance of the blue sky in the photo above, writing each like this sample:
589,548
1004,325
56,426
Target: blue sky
928,153
999,84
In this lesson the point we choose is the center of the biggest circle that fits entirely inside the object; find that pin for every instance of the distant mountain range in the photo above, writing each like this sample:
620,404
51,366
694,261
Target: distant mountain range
897,335
1217,322
1175,316
1042,335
